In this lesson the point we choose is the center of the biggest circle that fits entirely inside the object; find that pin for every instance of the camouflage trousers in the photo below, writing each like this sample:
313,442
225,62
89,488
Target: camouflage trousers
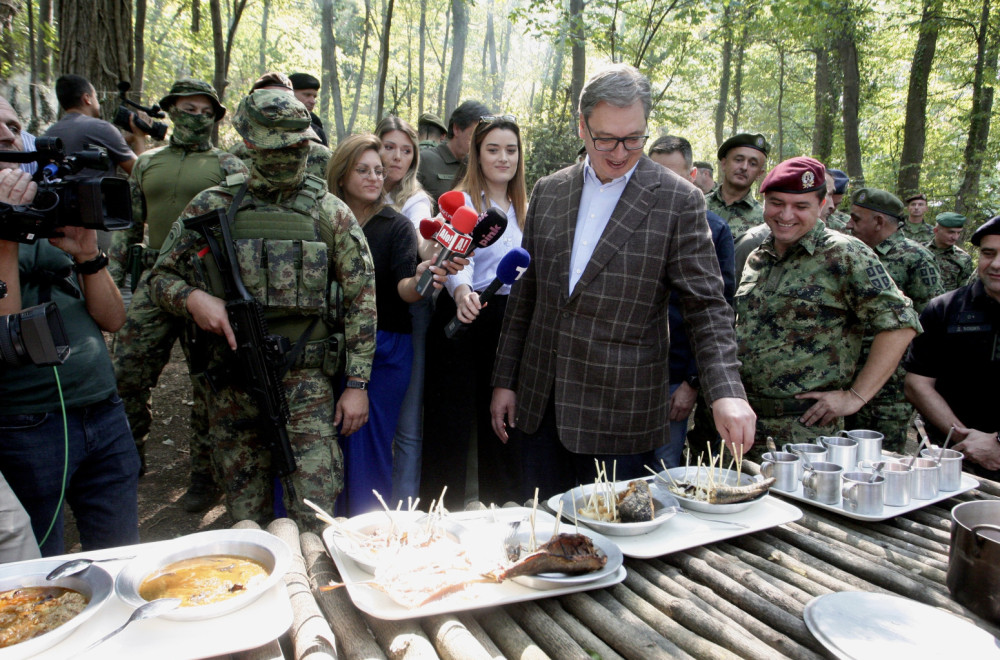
891,419
141,351
243,462
787,429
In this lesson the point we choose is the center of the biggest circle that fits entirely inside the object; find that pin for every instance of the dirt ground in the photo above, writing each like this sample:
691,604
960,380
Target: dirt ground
166,478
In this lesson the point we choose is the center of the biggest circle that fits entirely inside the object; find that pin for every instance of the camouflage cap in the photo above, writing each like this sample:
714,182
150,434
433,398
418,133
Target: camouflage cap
272,119
988,228
879,201
192,87
796,176
753,140
432,119
951,220
272,79
916,197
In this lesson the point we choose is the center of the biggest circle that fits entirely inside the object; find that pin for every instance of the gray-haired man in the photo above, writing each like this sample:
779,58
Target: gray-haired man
581,368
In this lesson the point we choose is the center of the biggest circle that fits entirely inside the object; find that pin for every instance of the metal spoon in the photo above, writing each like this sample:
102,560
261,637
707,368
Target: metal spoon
771,447
876,471
74,566
151,609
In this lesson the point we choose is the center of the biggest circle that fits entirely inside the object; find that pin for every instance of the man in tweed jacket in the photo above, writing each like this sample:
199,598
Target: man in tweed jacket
581,369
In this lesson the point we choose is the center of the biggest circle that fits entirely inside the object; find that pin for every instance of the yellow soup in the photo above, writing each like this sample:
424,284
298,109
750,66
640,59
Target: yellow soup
203,580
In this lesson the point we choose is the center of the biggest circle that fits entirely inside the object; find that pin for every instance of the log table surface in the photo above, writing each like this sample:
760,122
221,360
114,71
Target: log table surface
739,598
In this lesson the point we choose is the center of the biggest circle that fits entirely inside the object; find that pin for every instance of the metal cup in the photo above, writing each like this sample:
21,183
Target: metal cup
840,450
783,466
821,482
926,479
951,467
898,477
862,495
815,453
869,444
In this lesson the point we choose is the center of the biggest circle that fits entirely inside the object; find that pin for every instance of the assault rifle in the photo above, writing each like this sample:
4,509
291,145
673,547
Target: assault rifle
261,356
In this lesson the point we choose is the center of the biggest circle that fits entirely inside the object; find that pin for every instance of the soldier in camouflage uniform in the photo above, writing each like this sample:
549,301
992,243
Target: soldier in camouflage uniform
299,249
915,228
833,218
805,299
875,218
741,160
954,263
838,219
162,183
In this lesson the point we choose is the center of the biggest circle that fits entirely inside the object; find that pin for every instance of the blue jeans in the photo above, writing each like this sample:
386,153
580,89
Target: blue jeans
407,445
102,473
670,453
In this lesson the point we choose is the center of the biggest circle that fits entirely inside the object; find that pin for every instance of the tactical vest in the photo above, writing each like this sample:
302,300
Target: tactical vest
285,258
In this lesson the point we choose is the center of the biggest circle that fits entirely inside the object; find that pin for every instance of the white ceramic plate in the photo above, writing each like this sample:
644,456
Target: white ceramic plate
727,477
664,508
367,524
543,532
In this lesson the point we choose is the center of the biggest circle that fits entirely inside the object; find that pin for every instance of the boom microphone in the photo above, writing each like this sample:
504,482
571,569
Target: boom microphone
455,240
449,202
509,270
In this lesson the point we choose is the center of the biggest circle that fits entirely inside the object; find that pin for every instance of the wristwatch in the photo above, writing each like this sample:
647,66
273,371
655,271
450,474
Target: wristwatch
92,266
357,384
693,381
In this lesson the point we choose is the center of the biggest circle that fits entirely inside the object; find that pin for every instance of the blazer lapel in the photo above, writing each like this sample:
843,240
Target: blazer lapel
571,190
629,213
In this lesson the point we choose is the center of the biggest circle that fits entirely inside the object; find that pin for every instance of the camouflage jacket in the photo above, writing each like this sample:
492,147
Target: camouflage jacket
162,183
838,220
178,271
920,232
800,318
316,162
911,267
954,264
741,215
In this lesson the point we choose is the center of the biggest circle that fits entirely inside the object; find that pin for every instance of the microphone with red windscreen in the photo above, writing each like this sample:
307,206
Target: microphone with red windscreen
455,239
509,270
449,202
429,227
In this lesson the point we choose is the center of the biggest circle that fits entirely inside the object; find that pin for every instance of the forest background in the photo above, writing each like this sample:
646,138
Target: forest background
898,93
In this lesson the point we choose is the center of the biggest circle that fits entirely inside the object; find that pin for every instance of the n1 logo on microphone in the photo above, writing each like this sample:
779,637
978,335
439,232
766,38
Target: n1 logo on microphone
453,240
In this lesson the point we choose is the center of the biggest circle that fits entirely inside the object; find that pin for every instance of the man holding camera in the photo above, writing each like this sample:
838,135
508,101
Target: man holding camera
65,434
163,181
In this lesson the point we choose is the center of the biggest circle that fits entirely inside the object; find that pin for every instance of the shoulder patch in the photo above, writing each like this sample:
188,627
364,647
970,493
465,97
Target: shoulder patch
175,235
878,277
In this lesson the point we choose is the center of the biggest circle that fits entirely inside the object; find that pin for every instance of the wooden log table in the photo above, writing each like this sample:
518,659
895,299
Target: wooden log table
739,598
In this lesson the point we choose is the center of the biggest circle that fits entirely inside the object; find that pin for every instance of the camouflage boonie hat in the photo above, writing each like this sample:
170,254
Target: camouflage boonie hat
431,119
951,220
879,201
272,119
753,140
192,87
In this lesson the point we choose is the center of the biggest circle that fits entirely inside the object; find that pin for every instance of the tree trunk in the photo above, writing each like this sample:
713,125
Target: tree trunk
33,65
501,78
222,46
979,117
741,49
781,100
262,51
725,74
383,65
460,21
578,53
420,60
490,58
361,71
45,16
139,79
848,51
328,45
95,41
824,106
914,127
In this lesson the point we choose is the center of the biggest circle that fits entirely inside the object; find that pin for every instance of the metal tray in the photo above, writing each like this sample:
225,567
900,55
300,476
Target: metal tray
690,530
95,583
856,625
475,596
968,483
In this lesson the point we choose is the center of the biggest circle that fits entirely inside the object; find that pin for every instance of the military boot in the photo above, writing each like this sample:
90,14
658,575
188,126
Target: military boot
202,494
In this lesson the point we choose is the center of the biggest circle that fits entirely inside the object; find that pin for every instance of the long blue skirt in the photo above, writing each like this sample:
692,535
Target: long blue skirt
368,451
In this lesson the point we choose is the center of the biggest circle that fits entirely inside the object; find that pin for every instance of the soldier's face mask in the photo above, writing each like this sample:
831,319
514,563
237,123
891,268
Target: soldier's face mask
190,130
282,168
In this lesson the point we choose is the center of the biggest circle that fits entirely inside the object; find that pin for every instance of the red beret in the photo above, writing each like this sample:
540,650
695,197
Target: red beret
795,175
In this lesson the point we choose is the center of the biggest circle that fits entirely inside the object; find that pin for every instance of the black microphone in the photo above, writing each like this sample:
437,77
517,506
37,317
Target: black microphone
509,270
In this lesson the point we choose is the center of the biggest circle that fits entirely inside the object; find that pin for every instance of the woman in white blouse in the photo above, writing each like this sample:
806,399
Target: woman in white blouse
457,386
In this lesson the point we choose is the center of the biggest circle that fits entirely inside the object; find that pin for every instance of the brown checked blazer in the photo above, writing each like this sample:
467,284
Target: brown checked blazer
603,349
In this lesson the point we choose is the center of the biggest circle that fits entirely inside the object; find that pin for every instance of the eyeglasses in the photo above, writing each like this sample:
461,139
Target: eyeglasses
631,143
492,119
363,171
